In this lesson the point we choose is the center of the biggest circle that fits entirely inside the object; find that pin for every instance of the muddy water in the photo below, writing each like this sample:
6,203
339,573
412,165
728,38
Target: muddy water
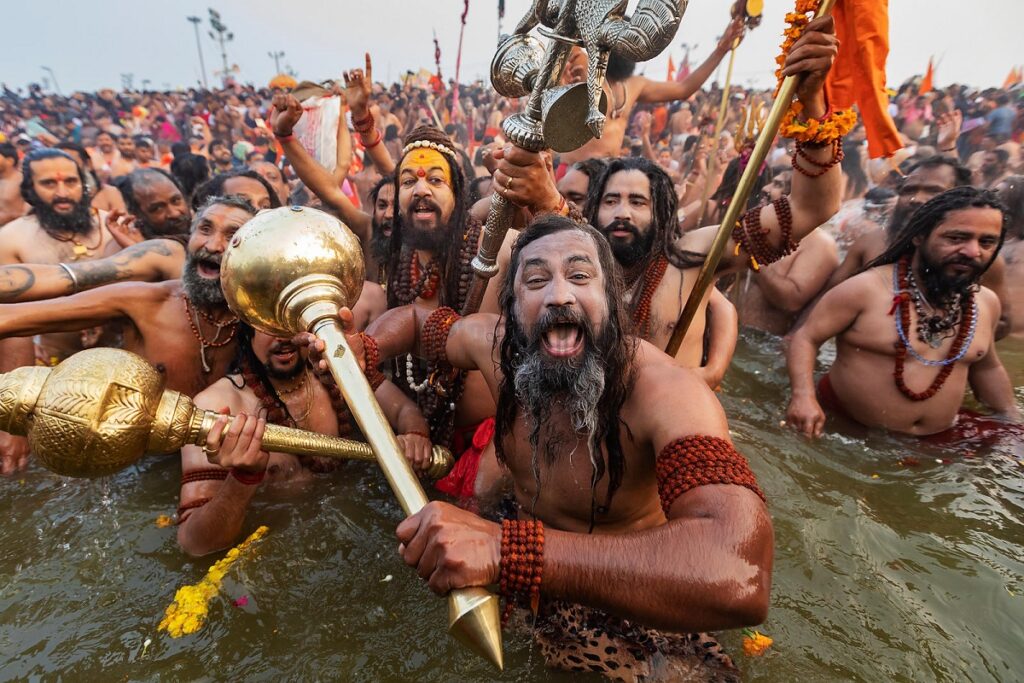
893,562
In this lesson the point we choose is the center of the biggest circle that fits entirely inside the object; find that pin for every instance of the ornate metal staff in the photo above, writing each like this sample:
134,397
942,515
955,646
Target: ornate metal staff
102,409
288,271
739,200
563,118
751,13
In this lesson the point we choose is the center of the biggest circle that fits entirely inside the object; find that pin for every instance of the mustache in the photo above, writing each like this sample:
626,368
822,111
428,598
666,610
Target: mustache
424,203
203,255
621,225
282,346
559,315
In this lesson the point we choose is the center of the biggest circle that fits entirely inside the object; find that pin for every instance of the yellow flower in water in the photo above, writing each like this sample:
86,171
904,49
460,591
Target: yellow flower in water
755,643
163,521
187,613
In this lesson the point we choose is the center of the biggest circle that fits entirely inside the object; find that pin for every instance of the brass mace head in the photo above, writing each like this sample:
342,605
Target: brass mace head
286,259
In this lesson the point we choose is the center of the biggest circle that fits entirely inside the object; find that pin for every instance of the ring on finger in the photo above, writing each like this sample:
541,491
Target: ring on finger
210,451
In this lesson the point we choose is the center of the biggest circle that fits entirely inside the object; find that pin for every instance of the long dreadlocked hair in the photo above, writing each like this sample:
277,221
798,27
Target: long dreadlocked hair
616,355
246,361
931,214
28,190
664,202
448,256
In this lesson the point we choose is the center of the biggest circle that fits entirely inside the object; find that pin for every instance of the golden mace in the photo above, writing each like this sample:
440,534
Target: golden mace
739,200
289,270
102,409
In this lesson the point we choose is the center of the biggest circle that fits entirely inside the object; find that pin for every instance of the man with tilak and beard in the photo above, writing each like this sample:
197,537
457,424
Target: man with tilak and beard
912,330
270,382
433,239
61,227
627,519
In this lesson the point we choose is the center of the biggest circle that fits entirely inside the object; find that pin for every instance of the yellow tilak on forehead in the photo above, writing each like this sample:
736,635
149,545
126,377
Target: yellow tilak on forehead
421,160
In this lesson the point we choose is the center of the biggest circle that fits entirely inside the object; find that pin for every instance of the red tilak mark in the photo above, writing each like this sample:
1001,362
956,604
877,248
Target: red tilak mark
60,177
421,173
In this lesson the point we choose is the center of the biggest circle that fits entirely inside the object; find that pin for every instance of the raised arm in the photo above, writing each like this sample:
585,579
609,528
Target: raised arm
359,87
813,200
830,315
69,313
670,91
287,112
149,261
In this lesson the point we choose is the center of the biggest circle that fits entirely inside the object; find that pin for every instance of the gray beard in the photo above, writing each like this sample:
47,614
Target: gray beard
577,384
200,291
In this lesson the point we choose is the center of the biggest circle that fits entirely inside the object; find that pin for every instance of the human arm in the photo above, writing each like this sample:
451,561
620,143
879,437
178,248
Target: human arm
948,126
812,200
854,261
69,313
708,567
793,282
342,144
670,91
409,425
722,341
149,261
830,315
988,377
359,87
217,524
287,112
645,138
995,279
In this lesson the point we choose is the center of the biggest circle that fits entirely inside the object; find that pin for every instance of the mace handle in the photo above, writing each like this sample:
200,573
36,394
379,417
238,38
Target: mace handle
499,220
473,616
301,442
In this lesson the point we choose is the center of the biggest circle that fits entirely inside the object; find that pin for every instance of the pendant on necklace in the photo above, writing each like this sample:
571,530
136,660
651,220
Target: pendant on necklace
79,251
202,356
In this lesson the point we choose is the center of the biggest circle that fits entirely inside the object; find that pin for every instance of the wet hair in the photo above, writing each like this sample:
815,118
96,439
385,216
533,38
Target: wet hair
215,186
448,254
9,151
141,177
931,214
592,168
961,174
617,357
191,170
28,190
619,67
731,180
1013,197
664,201
879,194
246,360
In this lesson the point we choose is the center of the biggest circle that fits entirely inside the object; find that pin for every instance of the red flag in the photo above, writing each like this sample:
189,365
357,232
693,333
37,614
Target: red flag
684,68
928,82
1013,78
858,73
671,69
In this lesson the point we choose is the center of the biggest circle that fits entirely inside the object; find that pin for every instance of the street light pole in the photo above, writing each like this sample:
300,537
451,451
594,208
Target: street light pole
202,66
224,37
276,56
53,77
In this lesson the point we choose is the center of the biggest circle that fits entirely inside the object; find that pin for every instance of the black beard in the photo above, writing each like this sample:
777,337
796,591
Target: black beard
941,288
176,226
380,244
78,222
429,239
200,291
628,254
578,382
290,373
898,218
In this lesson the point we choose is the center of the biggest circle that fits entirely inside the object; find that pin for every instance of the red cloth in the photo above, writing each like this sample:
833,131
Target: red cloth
828,399
858,73
461,481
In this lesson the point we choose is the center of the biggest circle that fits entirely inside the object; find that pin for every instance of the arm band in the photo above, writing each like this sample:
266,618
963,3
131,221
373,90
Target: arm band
696,461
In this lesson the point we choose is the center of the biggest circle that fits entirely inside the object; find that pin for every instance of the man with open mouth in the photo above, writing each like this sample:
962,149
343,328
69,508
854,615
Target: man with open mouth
610,471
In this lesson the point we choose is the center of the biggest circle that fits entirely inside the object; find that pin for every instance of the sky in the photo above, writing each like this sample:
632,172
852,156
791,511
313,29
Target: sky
90,45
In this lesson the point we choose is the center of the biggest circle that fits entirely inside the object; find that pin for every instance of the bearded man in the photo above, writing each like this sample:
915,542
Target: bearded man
569,380
912,329
61,227
269,382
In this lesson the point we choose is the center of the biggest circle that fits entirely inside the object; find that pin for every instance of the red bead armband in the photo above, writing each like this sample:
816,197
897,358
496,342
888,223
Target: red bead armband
522,564
751,237
438,326
696,461
372,355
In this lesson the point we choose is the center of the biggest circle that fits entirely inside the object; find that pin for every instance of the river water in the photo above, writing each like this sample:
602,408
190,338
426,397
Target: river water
893,562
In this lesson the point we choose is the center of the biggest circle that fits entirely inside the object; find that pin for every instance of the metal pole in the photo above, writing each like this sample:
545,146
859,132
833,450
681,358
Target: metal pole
739,199
53,77
199,47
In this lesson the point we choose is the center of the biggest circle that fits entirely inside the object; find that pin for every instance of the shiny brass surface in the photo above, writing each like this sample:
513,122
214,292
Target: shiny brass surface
739,200
102,409
291,291
281,247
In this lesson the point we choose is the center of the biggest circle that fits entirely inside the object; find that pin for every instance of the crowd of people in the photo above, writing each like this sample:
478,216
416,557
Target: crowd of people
117,207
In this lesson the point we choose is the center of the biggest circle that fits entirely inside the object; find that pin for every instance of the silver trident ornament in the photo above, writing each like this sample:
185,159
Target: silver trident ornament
563,117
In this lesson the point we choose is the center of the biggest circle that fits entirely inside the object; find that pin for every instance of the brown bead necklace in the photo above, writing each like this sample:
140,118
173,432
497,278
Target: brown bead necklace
192,315
652,277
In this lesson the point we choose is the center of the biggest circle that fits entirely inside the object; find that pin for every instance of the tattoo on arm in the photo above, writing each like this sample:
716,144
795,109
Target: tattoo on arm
15,281
120,266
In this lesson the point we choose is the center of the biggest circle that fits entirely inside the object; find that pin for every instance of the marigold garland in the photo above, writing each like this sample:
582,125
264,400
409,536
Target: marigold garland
188,612
832,126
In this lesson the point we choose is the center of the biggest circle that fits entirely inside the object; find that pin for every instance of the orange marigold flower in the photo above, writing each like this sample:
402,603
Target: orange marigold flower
755,643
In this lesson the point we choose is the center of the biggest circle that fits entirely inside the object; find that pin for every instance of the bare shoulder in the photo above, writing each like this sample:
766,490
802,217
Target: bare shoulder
867,283
988,301
19,228
222,394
